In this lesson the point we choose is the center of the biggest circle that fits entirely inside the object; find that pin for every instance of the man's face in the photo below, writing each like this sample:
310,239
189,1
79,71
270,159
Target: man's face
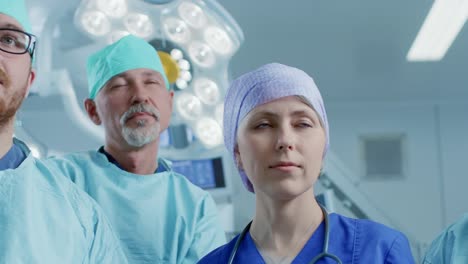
134,107
16,76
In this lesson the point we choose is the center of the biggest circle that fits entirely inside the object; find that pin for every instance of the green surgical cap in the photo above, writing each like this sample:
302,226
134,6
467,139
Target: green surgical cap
17,10
128,53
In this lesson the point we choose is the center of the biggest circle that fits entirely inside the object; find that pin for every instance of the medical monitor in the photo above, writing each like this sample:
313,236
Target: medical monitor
205,173
209,169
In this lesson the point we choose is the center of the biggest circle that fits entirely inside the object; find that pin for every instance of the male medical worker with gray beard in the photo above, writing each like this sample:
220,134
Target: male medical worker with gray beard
158,214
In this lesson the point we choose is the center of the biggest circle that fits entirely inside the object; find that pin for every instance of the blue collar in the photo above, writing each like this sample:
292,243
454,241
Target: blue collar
111,159
13,158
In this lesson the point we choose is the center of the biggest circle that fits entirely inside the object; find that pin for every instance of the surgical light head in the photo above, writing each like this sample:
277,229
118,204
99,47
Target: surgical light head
267,83
128,53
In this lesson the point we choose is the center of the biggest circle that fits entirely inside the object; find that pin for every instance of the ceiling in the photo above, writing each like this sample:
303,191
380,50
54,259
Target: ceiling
355,50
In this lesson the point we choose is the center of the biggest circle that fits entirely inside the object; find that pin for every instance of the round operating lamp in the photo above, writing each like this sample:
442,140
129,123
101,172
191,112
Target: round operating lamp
195,41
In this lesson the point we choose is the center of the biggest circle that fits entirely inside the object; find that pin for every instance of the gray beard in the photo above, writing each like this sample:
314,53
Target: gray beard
142,134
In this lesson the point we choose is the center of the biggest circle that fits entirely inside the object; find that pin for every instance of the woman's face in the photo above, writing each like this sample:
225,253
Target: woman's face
280,147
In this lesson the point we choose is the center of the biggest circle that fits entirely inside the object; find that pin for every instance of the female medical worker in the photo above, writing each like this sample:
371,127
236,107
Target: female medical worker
276,128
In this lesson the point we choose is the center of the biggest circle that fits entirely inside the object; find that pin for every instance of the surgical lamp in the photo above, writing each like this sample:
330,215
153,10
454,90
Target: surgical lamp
195,41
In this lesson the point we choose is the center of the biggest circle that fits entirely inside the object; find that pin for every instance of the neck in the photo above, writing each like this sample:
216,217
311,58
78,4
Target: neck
6,137
141,160
283,227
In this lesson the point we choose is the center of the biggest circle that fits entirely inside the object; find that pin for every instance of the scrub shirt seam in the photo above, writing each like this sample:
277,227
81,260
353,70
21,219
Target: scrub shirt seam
356,242
390,249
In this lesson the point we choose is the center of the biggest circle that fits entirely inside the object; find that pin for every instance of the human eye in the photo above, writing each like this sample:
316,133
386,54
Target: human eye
262,125
153,82
304,124
7,40
117,85
13,38
10,39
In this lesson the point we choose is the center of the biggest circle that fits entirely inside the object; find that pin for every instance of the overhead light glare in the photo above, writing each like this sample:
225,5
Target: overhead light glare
442,25
139,25
201,54
209,132
189,106
192,14
95,22
206,90
176,30
112,8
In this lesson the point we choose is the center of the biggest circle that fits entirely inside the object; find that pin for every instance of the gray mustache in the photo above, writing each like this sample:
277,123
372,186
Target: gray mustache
139,108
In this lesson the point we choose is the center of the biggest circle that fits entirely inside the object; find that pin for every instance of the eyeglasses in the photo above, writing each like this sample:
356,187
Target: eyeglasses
15,41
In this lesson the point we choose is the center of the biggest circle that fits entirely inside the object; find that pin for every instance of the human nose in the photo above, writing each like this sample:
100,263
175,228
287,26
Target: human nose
285,140
139,93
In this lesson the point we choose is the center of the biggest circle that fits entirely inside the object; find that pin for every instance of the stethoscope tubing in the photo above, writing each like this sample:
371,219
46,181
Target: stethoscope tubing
324,253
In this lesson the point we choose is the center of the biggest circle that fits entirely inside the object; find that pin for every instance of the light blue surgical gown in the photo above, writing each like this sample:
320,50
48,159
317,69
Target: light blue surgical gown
451,246
160,218
45,218
353,241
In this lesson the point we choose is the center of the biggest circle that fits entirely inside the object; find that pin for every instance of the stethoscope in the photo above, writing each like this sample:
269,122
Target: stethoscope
324,253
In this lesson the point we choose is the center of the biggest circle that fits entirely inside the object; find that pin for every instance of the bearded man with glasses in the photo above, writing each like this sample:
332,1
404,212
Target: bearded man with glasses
44,217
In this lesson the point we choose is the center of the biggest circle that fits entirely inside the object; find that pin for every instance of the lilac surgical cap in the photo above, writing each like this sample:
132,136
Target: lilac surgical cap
265,84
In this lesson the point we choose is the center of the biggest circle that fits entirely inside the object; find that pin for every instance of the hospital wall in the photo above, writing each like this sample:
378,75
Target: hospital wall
430,195
413,202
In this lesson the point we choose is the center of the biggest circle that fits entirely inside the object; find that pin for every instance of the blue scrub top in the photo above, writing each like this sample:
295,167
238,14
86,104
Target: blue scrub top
13,158
353,241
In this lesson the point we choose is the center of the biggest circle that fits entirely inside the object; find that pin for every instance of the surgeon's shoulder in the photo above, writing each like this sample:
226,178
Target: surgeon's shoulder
451,242
459,227
71,165
71,158
180,182
219,255
391,245
80,201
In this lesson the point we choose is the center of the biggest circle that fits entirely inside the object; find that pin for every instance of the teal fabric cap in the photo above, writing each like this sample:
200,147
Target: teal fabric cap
128,53
17,10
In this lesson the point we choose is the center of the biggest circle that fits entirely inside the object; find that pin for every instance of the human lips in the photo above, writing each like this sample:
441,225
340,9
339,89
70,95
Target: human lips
139,111
284,164
138,114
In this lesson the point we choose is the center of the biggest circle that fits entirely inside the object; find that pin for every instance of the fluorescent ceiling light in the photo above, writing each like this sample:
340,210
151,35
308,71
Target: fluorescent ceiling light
442,25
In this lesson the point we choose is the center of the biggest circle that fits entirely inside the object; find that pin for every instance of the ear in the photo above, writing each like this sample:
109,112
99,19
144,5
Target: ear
237,158
32,76
90,107
171,94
